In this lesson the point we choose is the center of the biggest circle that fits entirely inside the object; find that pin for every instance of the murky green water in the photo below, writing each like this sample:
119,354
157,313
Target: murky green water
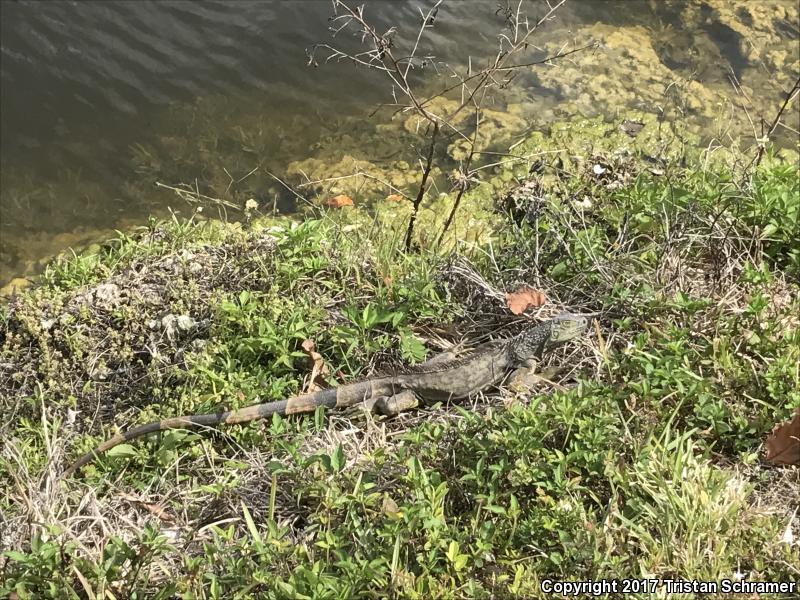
100,100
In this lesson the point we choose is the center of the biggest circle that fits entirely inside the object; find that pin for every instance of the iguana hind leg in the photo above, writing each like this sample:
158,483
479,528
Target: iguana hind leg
397,403
443,357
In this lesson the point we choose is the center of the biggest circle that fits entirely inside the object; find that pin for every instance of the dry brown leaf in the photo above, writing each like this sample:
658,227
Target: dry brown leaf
783,444
319,369
524,298
155,509
390,508
339,201
395,197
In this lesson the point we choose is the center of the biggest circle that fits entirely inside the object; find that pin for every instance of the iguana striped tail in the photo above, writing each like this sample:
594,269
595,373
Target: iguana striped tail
339,397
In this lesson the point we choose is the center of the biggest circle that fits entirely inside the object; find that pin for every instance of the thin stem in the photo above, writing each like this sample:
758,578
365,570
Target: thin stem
464,185
422,186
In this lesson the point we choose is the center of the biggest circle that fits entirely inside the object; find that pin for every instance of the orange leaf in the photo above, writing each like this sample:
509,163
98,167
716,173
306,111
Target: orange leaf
339,201
783,444
155,509
395,197
524,298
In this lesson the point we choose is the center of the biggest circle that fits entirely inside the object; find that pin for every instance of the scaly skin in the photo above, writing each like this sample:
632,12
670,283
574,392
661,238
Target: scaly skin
435,380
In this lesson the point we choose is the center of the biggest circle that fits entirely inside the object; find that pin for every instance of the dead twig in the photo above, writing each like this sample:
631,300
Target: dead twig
379,52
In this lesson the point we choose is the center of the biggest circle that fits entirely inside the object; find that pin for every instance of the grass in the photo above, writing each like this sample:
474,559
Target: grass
644,461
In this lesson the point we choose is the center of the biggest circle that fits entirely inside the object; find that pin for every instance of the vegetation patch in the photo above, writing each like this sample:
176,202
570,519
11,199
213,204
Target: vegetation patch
638,456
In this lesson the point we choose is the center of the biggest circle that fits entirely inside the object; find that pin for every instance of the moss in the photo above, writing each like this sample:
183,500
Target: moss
761,29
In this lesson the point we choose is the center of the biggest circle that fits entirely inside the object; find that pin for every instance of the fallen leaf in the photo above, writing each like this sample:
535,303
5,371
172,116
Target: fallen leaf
390,508
319,369
339,201
783,444
395,197
524,298
156,510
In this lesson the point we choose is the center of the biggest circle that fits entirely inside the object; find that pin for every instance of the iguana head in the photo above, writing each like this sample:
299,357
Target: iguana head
532,343
566,327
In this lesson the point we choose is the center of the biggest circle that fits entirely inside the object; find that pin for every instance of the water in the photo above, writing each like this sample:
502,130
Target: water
101,99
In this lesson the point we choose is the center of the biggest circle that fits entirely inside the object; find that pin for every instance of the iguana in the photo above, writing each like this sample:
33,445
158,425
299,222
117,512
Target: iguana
441,378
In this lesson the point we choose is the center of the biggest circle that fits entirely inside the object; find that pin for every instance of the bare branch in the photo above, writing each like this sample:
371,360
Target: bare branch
422,186
378,53
427,22
790,95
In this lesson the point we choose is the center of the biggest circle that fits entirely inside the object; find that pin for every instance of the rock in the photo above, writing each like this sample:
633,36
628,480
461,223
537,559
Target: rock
176,326
107,295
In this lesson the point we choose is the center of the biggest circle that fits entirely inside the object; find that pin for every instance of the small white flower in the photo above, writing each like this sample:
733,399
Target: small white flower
171,534
251,204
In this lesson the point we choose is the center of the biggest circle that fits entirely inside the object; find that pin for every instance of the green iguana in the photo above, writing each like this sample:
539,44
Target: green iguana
441,378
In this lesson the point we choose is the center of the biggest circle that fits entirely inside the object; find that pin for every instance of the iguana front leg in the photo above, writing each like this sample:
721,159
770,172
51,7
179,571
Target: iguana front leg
526,376
523,376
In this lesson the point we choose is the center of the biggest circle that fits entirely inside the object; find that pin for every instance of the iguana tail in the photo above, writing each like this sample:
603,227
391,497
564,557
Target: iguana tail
340,397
